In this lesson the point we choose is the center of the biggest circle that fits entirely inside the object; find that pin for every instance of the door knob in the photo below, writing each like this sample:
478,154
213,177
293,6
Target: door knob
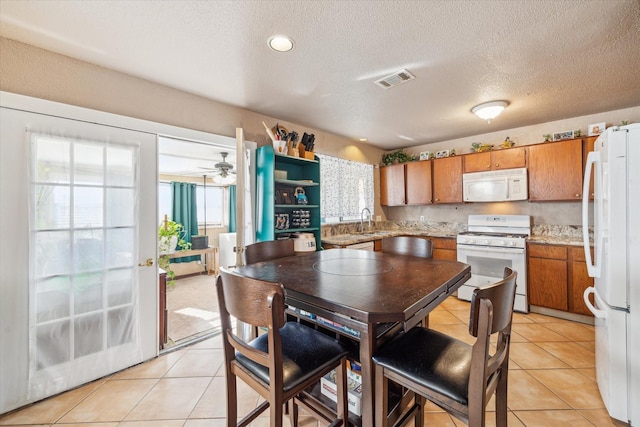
147,263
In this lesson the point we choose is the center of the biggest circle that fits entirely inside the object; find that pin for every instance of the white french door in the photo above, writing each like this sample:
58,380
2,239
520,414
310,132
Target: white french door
79,300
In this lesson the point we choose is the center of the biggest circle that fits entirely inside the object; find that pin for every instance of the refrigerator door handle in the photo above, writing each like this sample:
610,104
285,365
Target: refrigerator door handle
593,162
600,314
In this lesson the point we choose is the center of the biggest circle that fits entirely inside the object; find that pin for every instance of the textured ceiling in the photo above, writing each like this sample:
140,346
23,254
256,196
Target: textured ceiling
550,59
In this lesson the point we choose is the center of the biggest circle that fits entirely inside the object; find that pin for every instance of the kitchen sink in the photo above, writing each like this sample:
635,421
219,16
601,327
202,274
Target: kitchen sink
374,233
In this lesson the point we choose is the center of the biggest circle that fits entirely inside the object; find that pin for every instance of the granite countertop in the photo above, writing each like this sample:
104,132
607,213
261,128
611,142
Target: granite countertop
541,234
354,238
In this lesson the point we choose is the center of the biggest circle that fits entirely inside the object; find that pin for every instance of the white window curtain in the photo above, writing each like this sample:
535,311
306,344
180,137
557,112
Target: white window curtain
346,188
83,284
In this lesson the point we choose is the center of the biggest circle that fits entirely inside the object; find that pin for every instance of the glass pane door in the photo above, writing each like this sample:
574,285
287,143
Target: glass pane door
84,278
78,299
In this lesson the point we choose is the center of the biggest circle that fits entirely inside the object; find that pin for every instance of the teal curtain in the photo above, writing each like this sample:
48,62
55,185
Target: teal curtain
185,211
232,208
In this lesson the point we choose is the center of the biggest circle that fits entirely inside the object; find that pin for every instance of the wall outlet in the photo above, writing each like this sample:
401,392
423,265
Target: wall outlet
378,218
421,218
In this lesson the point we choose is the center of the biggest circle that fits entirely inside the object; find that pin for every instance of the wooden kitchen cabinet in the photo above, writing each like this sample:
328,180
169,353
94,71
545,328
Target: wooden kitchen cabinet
508,158
447,180
406,184
418,183
547,276
588,145
557,277
392,186
444,248
579,280
555,171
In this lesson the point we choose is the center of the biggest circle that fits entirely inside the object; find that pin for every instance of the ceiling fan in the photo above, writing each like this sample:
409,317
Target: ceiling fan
223,171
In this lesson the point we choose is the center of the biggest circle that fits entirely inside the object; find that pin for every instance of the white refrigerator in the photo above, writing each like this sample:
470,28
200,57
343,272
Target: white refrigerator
615,267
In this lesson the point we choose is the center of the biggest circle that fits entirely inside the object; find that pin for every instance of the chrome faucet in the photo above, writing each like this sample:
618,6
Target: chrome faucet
362,219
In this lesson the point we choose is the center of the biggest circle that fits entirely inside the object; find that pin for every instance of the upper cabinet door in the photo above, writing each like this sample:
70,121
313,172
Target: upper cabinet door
555,171
418,183
477,162
392,188
509,158
447,180
589,143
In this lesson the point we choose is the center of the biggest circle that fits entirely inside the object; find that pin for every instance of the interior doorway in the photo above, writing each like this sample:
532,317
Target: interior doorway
191,304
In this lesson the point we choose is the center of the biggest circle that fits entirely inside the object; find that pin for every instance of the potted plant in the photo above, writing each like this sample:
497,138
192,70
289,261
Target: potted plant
170,239
398,156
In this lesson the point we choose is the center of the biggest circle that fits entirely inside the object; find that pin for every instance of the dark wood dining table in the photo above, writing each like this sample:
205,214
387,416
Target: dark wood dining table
362,290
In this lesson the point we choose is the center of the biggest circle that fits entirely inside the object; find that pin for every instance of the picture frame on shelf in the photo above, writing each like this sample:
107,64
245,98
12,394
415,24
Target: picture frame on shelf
559,136
442,153
284,196
282,221
596,128
424,155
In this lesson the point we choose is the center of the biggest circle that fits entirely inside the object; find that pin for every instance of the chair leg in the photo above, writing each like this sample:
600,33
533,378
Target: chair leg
232,397
292,408
381,397
276,414
343,405
420,402
501,401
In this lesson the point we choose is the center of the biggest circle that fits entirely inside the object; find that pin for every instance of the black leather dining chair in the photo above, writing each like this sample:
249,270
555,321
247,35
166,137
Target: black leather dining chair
268,250
408,245
279,364
458,377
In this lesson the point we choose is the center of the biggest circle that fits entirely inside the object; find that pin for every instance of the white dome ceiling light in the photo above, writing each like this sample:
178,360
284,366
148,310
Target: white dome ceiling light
489,110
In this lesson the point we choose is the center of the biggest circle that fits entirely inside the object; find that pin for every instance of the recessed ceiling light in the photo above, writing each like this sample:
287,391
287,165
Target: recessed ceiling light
281,43
363,140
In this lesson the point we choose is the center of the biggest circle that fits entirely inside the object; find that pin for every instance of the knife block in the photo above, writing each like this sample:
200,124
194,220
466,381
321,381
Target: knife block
306,154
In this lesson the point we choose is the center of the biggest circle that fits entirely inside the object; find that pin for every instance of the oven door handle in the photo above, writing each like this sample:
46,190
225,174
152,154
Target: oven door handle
466,248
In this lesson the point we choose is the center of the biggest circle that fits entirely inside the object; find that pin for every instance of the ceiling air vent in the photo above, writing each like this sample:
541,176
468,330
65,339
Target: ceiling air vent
395,79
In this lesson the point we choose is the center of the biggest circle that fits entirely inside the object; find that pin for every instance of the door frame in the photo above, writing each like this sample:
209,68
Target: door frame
149,344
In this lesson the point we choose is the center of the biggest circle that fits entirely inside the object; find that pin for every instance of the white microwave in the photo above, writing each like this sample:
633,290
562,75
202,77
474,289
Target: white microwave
495,186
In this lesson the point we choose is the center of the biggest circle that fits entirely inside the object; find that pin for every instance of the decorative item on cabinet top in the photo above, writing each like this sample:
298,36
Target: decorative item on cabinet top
596,129
559,136
398,156
507,143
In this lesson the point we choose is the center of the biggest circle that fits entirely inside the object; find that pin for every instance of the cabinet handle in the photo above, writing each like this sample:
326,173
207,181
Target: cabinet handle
577,195
437,200
497,165
489,166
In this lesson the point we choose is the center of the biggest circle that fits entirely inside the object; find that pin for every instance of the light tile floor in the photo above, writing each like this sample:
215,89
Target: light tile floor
551,383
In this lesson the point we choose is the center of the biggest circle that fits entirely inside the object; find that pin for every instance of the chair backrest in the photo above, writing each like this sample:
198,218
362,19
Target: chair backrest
256,302
491,312
268,250
408,245
249,300
502,296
